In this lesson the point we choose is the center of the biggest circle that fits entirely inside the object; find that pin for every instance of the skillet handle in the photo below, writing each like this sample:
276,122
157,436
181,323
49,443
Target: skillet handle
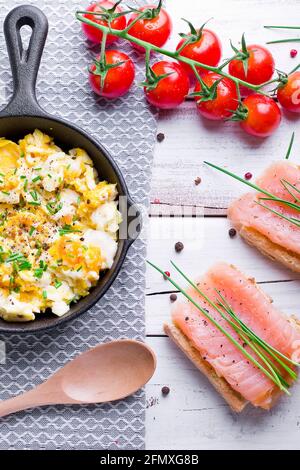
24,63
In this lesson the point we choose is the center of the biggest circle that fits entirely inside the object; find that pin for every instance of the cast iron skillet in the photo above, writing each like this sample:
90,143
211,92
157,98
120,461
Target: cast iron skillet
22,115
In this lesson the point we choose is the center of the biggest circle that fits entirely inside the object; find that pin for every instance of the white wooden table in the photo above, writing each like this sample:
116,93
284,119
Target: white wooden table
193,416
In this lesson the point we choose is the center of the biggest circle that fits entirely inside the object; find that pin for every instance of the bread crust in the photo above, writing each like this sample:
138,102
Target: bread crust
271,250
234,399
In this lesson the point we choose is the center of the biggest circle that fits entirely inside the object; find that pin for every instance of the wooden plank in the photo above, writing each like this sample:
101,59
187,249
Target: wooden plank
206,241
194,416
158,306
189,139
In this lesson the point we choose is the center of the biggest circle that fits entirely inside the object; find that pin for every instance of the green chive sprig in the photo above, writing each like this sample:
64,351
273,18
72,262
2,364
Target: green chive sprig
66,229
261,349
277,41
270,197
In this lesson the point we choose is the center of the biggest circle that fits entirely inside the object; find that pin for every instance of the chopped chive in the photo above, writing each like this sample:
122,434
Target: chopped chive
57,284
24,265
38,273
37,178
34,195
25,185
32,229
52,209
67,229
37,169
290,146
39,248
22,177
22,154
6,193
49,176
79,269
44,294
34,203
2,174
14,257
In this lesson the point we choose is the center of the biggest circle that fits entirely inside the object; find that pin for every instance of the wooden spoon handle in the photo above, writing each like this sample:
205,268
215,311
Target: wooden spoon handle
30,399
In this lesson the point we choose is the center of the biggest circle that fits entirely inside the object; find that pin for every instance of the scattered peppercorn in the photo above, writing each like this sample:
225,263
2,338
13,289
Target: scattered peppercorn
160,137
165,390
232,232
197,180
166,275
293,53
179,247
173,297
248,176
186,318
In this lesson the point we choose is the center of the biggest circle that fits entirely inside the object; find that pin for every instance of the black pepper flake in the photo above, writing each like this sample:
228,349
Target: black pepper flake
160,137
186,318
179,247
197,180
232,232
165,390
173,297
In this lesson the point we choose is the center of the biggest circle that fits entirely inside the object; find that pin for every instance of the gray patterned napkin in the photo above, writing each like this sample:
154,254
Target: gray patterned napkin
127,128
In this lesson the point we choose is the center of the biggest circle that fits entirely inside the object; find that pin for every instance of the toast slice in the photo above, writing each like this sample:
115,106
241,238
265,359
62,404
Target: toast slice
233,398
271,250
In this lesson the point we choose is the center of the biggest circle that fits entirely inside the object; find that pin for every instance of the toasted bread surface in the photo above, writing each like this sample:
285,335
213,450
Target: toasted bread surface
234,399
270,249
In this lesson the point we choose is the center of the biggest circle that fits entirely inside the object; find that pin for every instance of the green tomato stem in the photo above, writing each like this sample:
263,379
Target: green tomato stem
138,18
125,35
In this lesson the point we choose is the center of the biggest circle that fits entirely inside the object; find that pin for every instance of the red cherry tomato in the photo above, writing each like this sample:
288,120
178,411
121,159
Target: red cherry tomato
207,50
94,34
171,90
261,66
155,31
225,102
289,95
118,79
262,115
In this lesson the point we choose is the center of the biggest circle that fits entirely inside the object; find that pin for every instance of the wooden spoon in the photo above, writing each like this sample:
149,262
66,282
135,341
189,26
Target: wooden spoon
108,372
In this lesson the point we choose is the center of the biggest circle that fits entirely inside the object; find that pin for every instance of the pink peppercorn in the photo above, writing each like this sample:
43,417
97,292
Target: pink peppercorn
166,274
293,53
248,176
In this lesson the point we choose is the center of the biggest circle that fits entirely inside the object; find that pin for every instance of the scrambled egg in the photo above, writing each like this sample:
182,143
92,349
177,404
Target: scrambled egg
58,227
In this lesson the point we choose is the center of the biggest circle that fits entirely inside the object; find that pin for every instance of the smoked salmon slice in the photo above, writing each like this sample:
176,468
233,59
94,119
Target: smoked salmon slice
275,236
256,310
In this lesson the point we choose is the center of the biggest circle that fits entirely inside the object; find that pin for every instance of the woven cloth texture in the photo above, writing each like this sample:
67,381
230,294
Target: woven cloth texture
127,128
